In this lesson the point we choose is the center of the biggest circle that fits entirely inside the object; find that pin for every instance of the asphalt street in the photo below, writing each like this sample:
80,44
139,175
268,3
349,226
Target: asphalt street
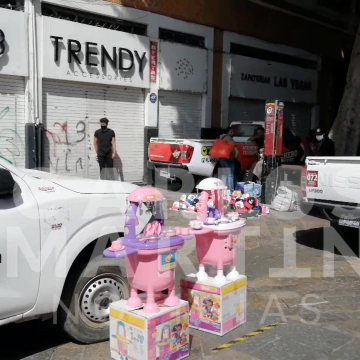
300,272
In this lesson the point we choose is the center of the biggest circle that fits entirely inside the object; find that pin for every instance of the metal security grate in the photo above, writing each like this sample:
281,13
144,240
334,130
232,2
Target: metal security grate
71,113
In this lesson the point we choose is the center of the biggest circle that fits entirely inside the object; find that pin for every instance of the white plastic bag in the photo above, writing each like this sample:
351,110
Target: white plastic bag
285,200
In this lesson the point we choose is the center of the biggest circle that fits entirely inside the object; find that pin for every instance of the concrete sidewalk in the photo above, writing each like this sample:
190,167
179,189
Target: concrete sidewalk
321,313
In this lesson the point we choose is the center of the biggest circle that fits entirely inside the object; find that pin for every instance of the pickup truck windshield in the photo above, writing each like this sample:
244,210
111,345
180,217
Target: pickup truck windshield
245,130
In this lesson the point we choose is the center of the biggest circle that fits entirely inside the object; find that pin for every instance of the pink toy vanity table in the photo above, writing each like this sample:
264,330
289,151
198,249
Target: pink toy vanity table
219,234
150,256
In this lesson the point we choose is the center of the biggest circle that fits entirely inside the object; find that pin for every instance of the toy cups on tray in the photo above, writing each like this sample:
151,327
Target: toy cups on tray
216,240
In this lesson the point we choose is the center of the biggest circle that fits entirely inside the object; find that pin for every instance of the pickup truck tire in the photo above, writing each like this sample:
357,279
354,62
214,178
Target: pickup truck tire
85,309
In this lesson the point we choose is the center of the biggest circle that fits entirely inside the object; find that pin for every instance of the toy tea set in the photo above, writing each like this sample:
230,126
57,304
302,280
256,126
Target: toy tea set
217,232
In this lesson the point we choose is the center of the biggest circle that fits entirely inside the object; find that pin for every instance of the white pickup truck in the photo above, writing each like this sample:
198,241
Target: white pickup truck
332,186
186,159
53,231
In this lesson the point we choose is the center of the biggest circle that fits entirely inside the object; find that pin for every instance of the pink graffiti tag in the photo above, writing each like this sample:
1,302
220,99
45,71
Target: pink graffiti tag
62,138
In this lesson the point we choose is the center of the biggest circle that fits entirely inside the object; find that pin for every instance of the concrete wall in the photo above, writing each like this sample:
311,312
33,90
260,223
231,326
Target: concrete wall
263,23
248,18
14,57
183,68
167,78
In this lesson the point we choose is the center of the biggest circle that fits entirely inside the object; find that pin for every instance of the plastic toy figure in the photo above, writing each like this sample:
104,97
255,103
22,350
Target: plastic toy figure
207,306
213,212
195,309
176,333
122,341
164,342
191,199
250,203
183,334
215,312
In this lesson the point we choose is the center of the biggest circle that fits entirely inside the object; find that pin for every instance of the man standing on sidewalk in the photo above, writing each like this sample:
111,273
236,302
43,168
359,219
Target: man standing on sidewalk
105,147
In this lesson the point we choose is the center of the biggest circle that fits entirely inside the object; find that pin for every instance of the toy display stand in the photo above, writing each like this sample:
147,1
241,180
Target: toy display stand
150,256
216,241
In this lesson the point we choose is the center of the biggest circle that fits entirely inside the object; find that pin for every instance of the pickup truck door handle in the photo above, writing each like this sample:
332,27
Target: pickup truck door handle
313,163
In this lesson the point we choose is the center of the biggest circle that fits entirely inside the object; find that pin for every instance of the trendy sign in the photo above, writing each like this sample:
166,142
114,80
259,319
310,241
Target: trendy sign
93,51
78,52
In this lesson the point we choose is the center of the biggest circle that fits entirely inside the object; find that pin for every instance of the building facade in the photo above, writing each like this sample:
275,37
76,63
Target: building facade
86,65
164,70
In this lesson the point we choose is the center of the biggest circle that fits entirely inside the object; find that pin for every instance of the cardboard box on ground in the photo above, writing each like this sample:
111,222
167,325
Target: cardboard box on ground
135,335
215,309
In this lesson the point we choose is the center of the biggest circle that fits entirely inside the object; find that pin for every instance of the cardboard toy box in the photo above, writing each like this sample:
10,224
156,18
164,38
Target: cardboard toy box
135,335
215,309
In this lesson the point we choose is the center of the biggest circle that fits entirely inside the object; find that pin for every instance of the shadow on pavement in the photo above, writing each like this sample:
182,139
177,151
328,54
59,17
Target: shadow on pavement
34,337
340,241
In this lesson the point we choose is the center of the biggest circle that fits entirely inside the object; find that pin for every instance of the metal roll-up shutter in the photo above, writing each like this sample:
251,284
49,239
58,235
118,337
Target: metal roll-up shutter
246,109
297,117
12,119
179,115
71,113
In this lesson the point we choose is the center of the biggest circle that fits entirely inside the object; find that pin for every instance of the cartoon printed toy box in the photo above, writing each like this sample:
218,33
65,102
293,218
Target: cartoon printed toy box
215,309
135,335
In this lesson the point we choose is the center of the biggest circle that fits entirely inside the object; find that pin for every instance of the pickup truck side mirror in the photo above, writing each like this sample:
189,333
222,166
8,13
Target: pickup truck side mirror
7,184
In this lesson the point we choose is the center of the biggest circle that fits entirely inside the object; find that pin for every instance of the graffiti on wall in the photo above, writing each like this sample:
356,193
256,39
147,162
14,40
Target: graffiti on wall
4,112
11,143
67,146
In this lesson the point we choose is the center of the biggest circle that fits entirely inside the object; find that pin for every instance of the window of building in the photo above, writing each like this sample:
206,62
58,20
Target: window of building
17,5
181,38
93,19
261,54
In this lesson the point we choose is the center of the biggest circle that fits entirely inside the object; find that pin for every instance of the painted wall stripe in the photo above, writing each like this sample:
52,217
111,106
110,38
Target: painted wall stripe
244,337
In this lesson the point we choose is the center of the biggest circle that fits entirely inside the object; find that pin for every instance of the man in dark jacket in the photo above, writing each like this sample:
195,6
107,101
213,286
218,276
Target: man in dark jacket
105,147
324,145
